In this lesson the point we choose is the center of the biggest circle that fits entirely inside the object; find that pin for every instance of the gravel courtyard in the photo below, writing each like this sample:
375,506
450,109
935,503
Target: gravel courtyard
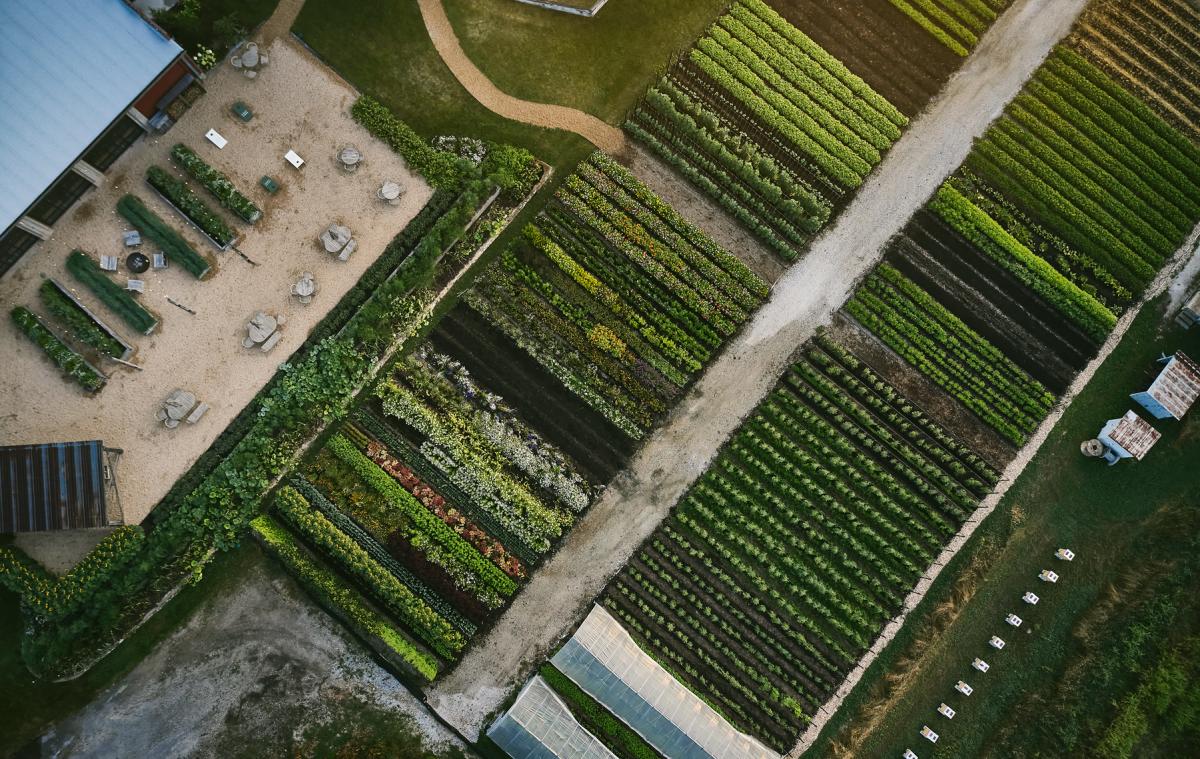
298,104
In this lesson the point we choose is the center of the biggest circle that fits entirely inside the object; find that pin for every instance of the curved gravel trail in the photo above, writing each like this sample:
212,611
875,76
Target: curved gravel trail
603,135
804,298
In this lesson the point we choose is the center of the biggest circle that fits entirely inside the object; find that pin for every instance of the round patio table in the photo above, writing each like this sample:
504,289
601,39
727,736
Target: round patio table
350,156
137,262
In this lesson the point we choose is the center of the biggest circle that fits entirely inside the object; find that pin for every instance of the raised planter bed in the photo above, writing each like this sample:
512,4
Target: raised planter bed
215,182
153,227
100,324
202,218
85,269
72,365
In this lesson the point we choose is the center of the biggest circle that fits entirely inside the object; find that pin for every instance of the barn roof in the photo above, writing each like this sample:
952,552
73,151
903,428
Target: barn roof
1177,386
1134,434
53,486
67,69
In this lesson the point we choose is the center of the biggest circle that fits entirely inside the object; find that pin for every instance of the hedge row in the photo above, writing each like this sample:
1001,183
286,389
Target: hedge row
71,363
85,269
172,243
190,205
440,169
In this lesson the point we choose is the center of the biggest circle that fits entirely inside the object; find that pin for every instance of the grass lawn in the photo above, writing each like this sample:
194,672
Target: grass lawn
1134,530
600,65
29,707
382,49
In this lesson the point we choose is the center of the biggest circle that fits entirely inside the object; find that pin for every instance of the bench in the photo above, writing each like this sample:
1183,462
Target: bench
346,251
136,286
271,341
158,260
197,413
108,263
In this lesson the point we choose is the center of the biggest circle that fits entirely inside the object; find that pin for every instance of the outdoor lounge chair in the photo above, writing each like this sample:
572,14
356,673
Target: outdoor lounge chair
158,260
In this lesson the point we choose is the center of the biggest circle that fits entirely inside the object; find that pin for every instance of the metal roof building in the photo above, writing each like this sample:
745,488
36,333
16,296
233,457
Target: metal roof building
604,660
79,82
53,486
1174,390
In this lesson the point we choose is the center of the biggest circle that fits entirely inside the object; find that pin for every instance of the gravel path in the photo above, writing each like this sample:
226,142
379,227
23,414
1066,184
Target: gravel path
604,136
933,146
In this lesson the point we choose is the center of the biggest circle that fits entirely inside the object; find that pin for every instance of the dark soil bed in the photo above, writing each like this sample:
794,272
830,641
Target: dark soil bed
943,409
899,59
599,448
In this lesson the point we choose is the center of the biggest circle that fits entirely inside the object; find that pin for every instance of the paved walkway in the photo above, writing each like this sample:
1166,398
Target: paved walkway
934,145
604,136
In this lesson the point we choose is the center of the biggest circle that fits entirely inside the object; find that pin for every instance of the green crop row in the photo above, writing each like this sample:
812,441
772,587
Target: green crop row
79,324
916,11
773,110
626,280
424,622
490,583
214,181
72,365
718,255
154,228
816,112
817,54
190,205
830,110
612,732
983,231
348,604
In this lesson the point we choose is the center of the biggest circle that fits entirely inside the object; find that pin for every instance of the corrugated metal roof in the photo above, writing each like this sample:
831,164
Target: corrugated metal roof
54,486
68,68
1177,386
1134,434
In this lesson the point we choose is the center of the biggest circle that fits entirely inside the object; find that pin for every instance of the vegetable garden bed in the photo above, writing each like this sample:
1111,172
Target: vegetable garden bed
84,325
186,203
72,365
84,268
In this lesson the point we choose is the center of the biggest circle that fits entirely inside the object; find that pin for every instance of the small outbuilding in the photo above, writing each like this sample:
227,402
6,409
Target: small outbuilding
53,486
1174,390
1130,437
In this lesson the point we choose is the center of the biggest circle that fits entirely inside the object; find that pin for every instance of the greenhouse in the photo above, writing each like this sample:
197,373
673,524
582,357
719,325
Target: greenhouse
539,725
605,661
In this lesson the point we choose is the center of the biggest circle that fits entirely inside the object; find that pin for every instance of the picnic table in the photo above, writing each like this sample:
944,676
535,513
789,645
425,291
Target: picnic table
175,408
335,238
263,331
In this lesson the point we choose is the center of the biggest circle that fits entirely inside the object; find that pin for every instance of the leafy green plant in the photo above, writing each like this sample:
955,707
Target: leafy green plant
84,268
190,205
215,182
71,363
79,324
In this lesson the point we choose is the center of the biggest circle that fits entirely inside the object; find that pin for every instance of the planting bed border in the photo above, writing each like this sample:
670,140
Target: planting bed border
103,325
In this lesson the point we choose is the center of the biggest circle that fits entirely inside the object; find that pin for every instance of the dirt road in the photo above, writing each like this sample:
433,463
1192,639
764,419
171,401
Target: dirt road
804,298
604,136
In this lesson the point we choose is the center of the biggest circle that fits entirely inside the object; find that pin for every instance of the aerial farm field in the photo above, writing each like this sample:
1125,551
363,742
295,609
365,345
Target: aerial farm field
733,360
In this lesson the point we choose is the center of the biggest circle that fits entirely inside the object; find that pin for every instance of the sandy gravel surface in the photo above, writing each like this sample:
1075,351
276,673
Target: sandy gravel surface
933,146
249,671
437,23
298,104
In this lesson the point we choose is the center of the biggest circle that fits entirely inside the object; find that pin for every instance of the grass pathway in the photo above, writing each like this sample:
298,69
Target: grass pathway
608,138
804,299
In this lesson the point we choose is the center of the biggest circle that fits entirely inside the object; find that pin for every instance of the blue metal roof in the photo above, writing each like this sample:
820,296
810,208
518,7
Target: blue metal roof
68,68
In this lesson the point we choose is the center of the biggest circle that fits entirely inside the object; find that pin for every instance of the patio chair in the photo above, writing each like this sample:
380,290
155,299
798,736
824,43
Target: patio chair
108,263
132,238
136,286
262,60
158,260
